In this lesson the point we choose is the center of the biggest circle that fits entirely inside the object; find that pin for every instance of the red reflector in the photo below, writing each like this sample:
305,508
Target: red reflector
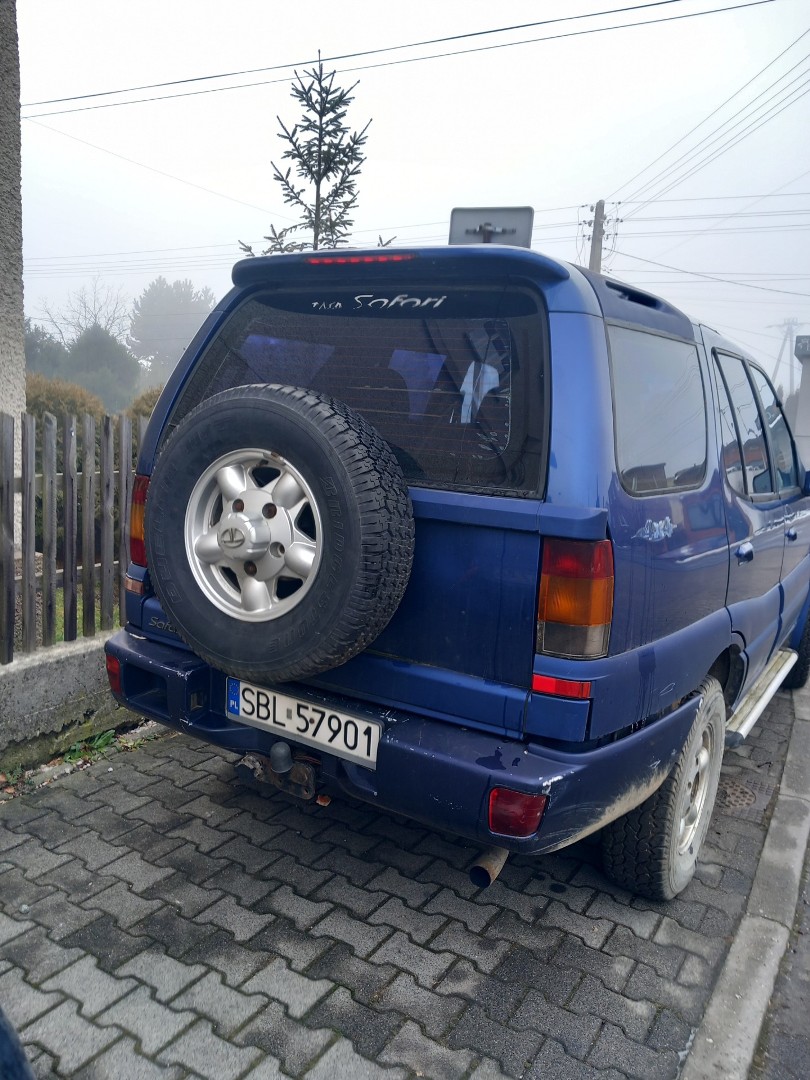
137,543
569,688
356,260
513,813
132,586
114,673
578,559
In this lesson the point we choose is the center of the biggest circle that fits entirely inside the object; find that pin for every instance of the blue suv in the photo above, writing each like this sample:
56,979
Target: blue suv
473,535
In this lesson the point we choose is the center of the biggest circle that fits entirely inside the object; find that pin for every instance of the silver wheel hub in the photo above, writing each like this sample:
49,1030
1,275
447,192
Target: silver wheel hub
253,535
693,803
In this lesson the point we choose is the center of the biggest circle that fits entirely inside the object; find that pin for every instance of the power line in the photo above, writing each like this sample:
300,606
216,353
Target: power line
720,132
801,226
712,277
416,59
753,126
721,275
706,119
230,245
778,194
159,172
346,56
722,215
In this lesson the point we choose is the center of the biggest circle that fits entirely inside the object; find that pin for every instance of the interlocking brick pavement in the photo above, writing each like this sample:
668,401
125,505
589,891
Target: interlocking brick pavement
162,917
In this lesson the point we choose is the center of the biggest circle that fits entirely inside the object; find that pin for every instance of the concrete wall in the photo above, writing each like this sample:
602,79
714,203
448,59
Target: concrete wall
52,698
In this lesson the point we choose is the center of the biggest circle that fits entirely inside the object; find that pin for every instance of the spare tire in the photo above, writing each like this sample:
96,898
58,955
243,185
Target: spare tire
279,532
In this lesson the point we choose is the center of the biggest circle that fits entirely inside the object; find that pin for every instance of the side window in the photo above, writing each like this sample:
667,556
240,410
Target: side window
660,411
732,455
755,459
778,433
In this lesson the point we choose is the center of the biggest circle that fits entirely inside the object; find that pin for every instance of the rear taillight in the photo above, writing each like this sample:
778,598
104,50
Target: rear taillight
114,673
575,602
514,813
137,540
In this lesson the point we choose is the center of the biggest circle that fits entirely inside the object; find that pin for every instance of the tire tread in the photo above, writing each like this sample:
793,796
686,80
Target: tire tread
636,847
385,514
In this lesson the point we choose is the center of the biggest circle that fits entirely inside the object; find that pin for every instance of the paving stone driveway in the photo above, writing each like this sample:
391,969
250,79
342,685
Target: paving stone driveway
160,918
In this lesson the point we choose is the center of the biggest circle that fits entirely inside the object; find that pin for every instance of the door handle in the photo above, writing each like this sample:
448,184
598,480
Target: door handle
745,552
791,534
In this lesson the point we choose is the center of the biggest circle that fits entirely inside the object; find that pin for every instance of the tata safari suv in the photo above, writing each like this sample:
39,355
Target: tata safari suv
473,535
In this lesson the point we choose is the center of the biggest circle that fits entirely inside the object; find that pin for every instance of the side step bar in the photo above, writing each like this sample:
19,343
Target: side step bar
756,700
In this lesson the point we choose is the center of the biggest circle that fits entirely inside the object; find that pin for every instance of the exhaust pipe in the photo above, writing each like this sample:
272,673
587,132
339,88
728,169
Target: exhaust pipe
487,866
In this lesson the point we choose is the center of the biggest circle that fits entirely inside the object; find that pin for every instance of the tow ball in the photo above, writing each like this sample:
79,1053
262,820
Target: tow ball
281,769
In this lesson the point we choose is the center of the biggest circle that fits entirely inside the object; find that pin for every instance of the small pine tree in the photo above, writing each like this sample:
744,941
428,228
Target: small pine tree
327,156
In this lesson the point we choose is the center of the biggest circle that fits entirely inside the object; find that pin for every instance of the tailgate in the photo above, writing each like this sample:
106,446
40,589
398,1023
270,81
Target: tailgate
461,644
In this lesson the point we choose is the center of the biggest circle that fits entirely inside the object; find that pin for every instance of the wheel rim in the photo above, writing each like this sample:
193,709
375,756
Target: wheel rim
253,535
696,792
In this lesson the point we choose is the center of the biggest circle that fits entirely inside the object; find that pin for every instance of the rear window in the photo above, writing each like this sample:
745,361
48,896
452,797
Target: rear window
453,380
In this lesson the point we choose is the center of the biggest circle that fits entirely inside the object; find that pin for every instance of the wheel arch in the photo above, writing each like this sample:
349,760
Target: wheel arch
729,669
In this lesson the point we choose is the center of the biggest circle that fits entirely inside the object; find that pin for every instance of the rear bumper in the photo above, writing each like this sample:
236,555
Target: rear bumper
428,770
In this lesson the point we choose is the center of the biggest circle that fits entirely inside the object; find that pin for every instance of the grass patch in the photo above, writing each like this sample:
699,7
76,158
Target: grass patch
17,779
90,749
59,616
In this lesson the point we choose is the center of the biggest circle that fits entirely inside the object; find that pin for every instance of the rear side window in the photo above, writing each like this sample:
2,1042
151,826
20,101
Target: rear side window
755,463
660,412
453,380
732,454
777,431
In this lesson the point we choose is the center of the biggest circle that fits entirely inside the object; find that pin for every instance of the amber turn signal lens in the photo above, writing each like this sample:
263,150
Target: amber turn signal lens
575,600
137,517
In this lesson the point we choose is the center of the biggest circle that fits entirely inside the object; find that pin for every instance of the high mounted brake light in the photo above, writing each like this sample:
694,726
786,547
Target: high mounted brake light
575,601
357,260
137,541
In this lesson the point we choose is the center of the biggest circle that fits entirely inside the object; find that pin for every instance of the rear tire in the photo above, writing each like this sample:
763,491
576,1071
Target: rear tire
279,532
652,851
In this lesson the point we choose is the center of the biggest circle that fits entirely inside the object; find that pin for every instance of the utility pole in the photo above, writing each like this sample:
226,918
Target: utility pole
597,235
789,326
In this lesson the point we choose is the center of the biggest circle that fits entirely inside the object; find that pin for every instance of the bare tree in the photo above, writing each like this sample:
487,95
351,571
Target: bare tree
93,305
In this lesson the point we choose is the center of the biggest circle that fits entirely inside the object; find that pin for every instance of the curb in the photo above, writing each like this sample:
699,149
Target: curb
726,1041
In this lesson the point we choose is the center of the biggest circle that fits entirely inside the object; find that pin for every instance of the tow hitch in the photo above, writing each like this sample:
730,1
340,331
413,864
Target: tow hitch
284,772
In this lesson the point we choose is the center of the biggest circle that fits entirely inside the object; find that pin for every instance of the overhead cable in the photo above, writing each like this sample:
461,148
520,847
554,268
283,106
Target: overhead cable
414,59
346,56
719,133
712,277
706,119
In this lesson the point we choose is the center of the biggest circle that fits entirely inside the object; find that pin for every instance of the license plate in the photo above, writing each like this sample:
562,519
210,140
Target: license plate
338,733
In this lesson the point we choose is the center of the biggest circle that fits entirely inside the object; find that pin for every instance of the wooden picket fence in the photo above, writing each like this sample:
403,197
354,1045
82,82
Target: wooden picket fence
74,488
